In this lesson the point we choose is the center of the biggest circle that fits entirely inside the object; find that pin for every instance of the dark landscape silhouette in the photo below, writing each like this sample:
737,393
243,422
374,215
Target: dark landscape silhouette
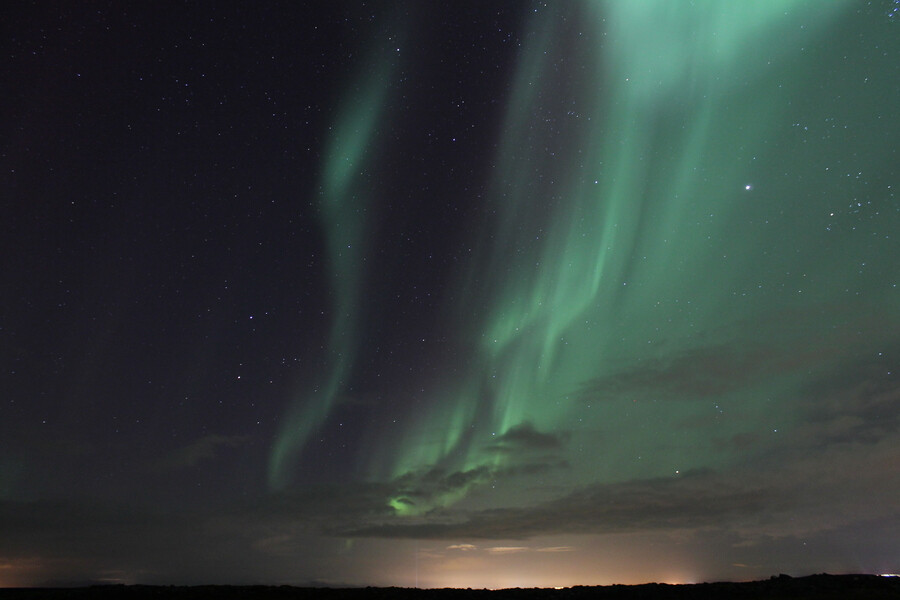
819,587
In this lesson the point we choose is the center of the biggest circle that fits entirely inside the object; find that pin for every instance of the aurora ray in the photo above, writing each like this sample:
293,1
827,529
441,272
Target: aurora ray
345,213
619,187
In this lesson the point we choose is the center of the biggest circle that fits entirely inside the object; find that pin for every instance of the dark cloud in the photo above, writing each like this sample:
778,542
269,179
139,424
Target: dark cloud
82,542
423,490
792,492
425,487
201,450
314,508
690,500
525,437
791,487
86,535
697,373
779,346
858,402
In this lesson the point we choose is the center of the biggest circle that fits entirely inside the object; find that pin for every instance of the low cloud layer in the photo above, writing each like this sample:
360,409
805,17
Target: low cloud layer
829,472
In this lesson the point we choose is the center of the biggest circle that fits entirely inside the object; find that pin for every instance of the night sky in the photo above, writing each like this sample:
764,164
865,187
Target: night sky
475,293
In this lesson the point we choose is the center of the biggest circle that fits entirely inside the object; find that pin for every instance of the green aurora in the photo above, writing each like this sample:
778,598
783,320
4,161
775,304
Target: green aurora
477,293
685,228
344,210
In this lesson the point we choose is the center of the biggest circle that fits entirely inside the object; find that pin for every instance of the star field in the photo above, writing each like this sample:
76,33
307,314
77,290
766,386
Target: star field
482,295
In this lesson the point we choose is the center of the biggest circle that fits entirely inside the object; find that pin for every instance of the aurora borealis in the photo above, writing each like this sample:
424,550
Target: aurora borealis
489,294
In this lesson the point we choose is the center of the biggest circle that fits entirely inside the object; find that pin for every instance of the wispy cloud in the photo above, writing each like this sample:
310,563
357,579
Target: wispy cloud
463,547
783,345
507,549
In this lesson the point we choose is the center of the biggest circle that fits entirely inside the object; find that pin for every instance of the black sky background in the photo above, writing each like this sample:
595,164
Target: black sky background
161,236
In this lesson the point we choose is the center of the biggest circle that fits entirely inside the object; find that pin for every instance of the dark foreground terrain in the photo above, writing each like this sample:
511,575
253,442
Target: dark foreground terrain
820,587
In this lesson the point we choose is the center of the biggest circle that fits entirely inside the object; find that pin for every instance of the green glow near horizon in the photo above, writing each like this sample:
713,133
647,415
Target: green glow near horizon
622,235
